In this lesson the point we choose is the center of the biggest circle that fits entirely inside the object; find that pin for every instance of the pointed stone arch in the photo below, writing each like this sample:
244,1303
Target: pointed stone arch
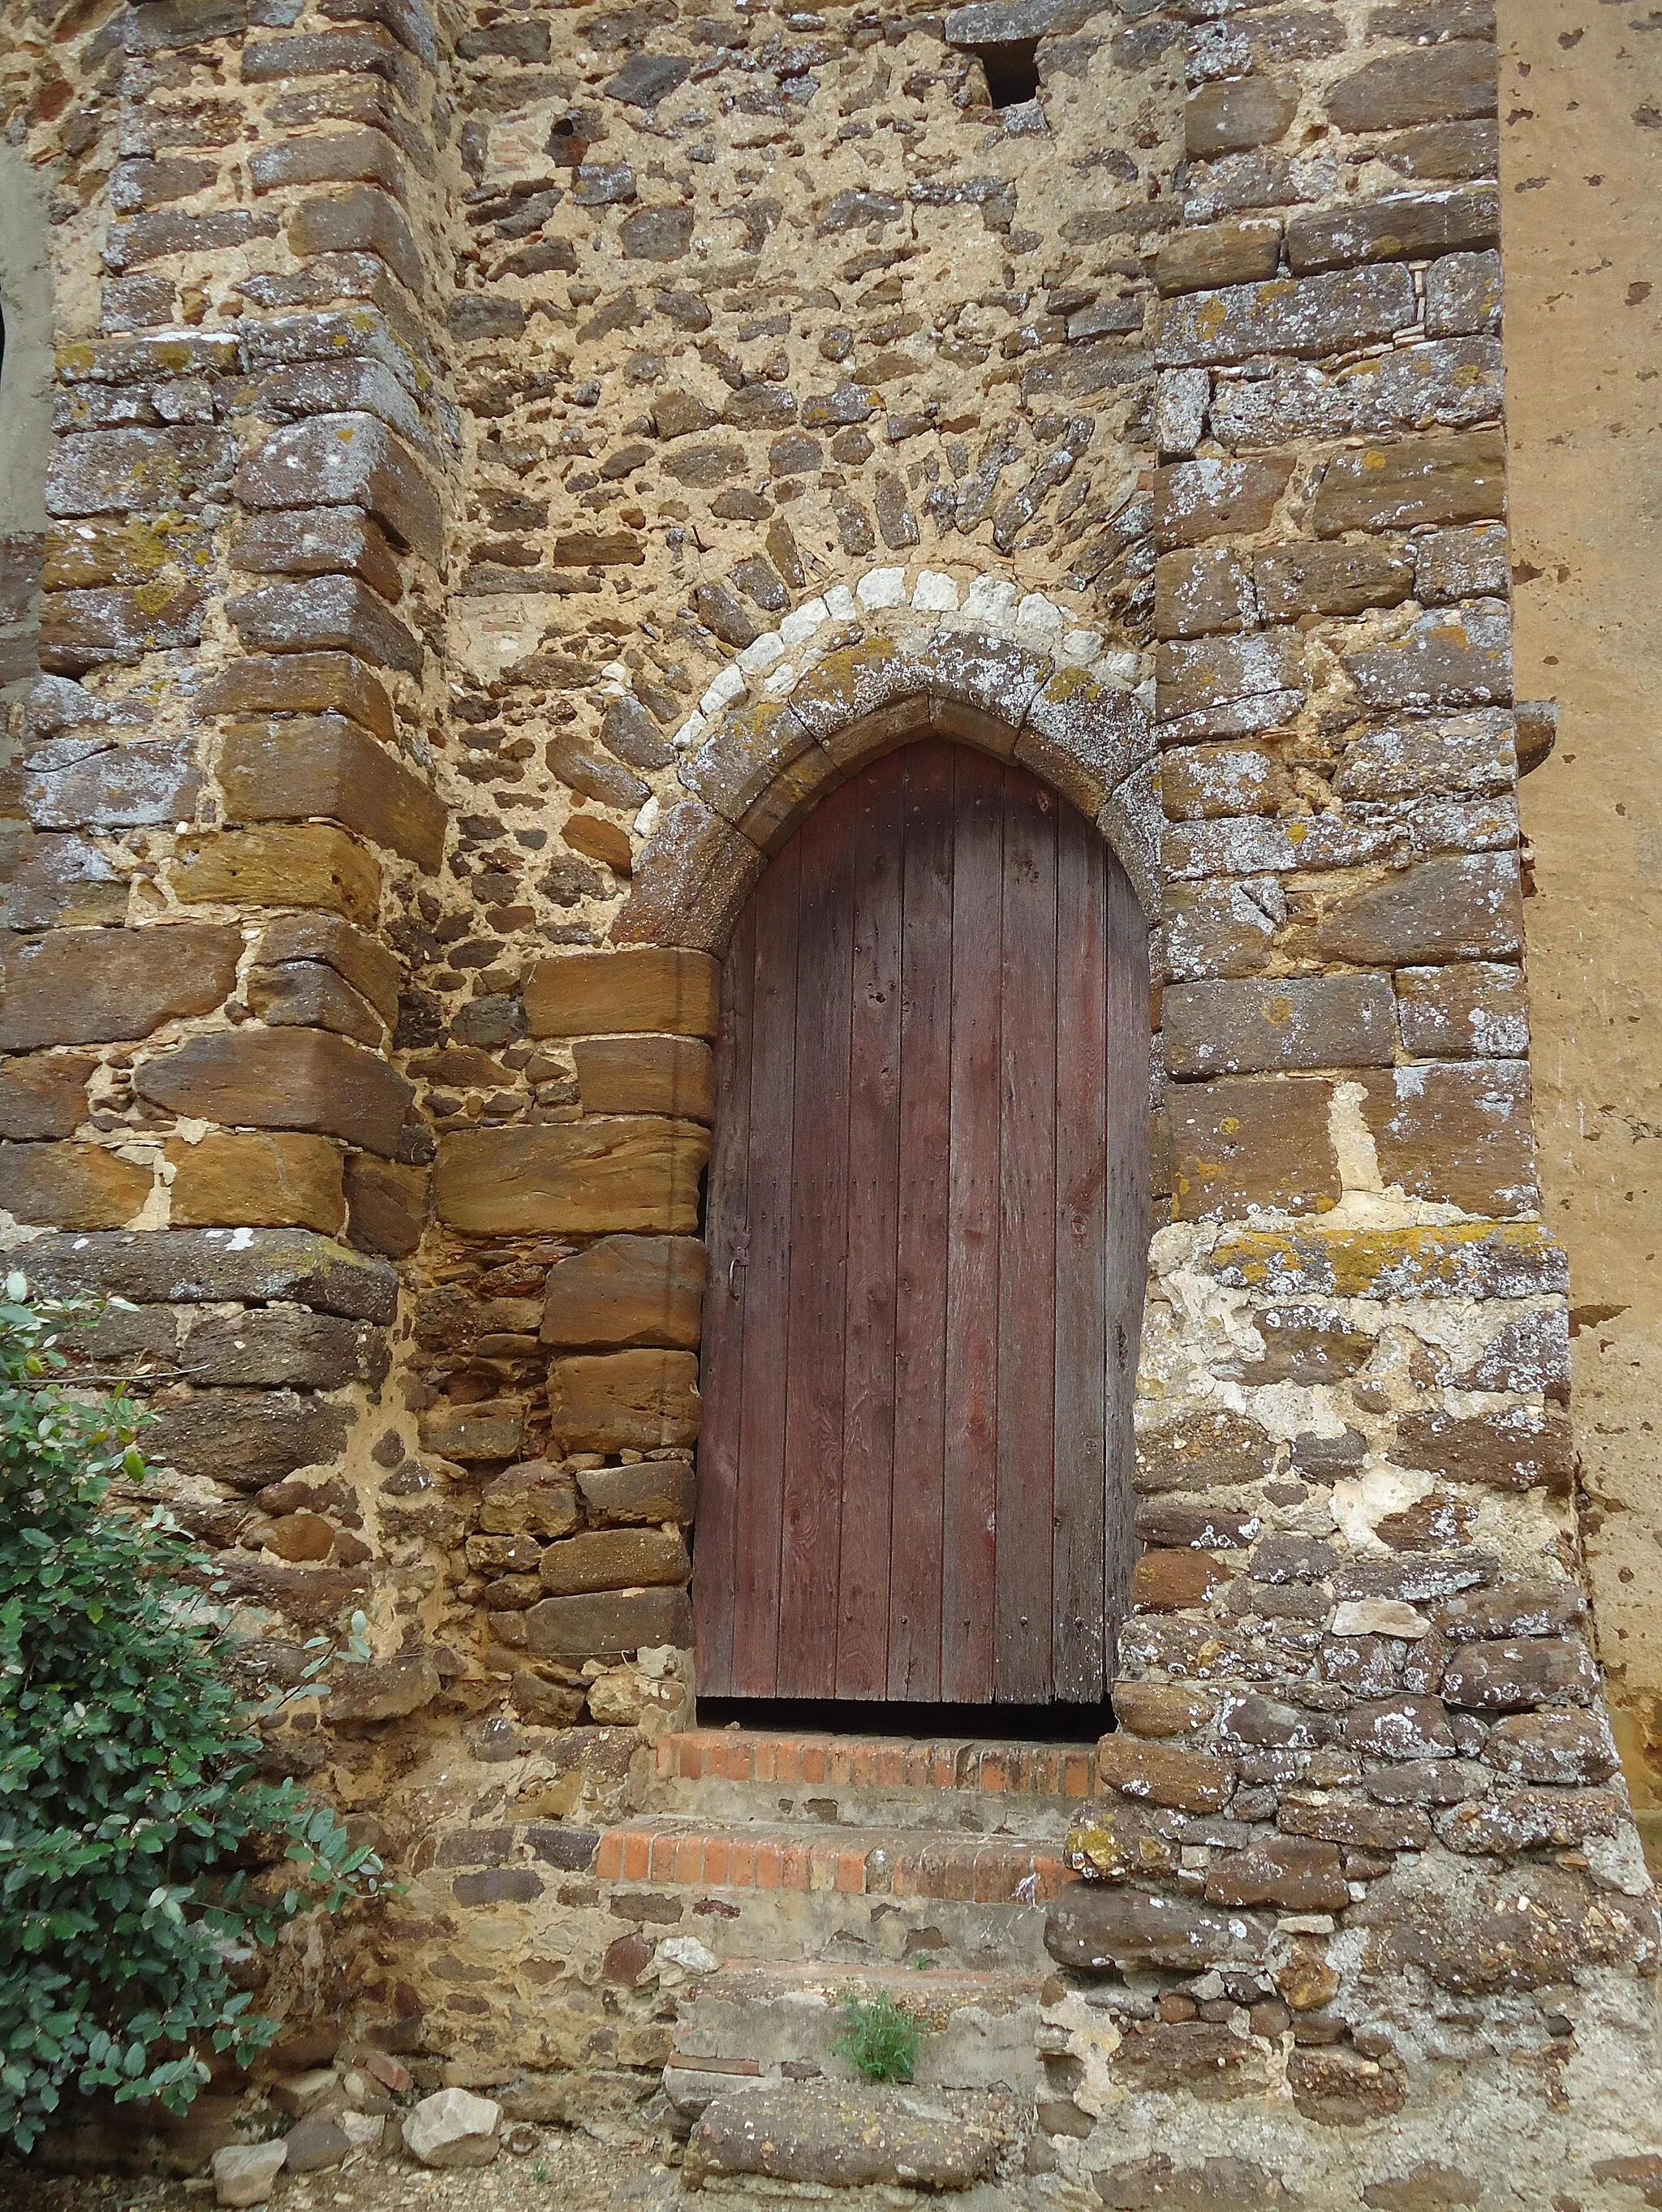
767,762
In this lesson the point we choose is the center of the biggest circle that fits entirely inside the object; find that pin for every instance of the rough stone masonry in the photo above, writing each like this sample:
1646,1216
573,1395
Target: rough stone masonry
496,468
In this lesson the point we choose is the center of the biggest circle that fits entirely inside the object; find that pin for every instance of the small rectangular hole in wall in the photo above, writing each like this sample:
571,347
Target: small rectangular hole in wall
1012,70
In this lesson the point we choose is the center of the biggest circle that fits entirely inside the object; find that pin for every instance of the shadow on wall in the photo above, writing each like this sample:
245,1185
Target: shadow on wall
26,373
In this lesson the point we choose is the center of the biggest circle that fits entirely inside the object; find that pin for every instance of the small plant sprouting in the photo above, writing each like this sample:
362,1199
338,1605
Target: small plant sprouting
879,2041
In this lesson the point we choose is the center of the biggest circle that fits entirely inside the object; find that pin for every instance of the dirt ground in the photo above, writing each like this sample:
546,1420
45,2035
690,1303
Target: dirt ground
564,2173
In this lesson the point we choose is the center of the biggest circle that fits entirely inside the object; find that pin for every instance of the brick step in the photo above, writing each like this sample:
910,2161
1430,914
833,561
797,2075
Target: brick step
1065,1771
1027,1791
843,1862
756,2022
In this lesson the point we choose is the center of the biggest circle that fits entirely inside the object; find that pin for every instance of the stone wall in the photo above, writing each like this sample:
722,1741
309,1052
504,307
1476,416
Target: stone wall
507,467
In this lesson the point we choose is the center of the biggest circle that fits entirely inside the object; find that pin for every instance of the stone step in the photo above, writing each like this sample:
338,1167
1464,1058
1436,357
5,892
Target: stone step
757,2022
825,2137
888,1862
959,1783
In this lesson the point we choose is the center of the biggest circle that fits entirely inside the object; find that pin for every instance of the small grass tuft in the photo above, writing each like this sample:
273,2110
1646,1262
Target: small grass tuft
879,2041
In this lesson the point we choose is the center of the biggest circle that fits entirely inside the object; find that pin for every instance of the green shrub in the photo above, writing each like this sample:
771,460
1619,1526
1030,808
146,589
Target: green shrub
140,1854
879,2041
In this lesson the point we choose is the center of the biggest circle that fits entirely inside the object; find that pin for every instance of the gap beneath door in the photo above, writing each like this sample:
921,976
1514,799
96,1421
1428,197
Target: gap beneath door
850,1716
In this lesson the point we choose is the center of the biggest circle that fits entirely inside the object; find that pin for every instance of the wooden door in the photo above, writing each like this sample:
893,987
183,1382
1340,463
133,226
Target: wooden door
928,1228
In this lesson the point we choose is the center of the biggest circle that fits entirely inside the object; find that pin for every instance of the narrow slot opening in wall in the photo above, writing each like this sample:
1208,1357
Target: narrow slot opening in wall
1012,70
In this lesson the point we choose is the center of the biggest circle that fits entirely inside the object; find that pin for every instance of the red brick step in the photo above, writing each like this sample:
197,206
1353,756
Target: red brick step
847,1862
1013,1770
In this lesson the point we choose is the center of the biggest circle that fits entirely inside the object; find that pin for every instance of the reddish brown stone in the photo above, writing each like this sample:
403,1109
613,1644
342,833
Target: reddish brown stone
120,623
613,1560
281,1080
605,1622
1187,1781
290,864
589,1176
690,883
1307,316
1201,2059
1459,1133
1307,1981
1507,1677
483,1429
305,994
1293,1873
287,770
319,541
653,1492
1198,593
1430,84
613,1401
1341,2089
599,839
1308,1344
386,1205
1093,1927
1556,1748
91,986
1197,499
303,683
605,993
136,471
1198,1528
1477,1008
1158,1708
1237,1145
1234,115
362,961
1241,252
1463,907
262,1179
1240,1027
1403,226
1459,478
246,1437
44,1097
627,1291
1524,1929
1517,1449
1330,579
533,1499
70,1186
1358,1826
1203,1453
669,1075
1169,1582
323,614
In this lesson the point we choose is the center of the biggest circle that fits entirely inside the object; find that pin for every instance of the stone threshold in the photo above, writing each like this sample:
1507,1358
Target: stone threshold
880,1762
890,1863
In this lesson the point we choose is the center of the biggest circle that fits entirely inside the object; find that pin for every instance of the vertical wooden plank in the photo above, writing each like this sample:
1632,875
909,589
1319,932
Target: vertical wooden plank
1079,1631
818,1257
862,1633
926,997
766,1281
1026,1272
721,1371
1129,1218
971,1397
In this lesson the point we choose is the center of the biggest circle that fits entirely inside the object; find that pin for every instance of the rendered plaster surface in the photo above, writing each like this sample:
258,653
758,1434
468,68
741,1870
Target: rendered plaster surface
1581,164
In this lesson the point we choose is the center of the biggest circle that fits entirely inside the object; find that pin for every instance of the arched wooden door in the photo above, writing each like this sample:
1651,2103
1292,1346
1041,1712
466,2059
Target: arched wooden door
928,1234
